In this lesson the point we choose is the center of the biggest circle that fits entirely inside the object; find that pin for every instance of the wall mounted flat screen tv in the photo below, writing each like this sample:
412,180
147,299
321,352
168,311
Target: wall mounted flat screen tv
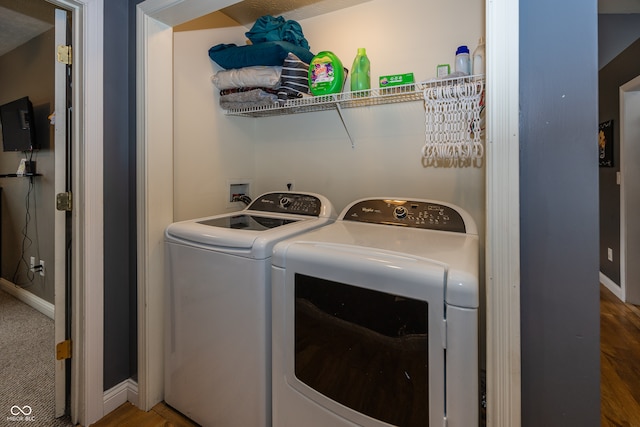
18,127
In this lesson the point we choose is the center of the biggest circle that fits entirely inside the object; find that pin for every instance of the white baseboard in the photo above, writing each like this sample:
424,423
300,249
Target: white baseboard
612,286
126,391
28,298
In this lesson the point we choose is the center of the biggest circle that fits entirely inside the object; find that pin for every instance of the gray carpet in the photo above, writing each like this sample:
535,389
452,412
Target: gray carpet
27,364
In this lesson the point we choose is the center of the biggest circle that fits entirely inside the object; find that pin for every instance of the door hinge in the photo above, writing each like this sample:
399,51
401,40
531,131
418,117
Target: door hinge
64,54
64,201
63,350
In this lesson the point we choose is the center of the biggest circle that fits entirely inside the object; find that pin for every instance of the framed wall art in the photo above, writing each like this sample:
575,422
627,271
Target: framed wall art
605,144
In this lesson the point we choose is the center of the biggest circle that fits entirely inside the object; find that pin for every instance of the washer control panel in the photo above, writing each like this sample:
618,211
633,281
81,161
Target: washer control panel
407,213
291,203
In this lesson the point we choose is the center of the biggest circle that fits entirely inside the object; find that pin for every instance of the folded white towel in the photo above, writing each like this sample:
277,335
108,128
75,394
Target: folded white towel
256,76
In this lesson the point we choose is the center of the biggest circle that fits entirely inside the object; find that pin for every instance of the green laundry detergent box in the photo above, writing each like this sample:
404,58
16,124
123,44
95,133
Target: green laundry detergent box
396,80
326,74
388,84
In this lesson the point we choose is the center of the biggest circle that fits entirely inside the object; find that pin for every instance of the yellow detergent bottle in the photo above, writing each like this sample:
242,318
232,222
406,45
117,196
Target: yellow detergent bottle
326,74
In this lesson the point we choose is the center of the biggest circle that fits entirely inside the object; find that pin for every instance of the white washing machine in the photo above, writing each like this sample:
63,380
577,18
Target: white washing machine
218,307
375,319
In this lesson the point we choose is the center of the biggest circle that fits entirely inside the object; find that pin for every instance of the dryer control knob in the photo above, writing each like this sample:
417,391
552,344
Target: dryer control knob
400,212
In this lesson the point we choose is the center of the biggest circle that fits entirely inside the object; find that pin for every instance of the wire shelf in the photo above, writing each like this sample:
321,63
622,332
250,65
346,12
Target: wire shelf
363,98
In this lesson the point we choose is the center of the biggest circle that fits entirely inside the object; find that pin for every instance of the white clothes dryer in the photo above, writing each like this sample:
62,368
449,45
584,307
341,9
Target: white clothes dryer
218,307
375,319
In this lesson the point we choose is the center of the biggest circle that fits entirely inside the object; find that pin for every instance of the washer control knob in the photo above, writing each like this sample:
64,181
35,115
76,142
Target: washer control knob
400,212
285,202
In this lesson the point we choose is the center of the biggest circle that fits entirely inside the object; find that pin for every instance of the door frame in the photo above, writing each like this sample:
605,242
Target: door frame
60,218
155,19
629,200
503,213
87,404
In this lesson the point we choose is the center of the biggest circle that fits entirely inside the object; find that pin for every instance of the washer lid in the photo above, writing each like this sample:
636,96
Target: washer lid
239,231
247,222
271,217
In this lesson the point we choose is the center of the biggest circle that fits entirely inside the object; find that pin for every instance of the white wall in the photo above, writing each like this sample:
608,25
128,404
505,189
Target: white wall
313,149
209,149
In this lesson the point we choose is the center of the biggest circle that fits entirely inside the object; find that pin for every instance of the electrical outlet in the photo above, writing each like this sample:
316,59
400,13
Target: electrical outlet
610,254
42,268
32,263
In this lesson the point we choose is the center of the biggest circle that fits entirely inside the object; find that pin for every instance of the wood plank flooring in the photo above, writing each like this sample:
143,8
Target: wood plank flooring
620,375
160,415
619,361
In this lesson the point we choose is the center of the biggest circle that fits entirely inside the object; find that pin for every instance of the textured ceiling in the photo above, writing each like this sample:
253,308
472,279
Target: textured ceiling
22,21
248,11
619,6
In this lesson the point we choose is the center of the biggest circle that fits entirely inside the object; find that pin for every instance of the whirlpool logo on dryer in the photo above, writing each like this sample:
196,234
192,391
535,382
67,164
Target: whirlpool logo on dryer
21,413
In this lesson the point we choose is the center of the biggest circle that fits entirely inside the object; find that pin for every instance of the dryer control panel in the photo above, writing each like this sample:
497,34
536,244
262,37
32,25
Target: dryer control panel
407,213
291,203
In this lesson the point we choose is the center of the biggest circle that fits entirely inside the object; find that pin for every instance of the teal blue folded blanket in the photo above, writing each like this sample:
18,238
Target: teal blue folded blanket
266,53
272,40
270,29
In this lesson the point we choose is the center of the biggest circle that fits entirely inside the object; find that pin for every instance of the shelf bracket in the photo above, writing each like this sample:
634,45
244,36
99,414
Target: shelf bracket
346,128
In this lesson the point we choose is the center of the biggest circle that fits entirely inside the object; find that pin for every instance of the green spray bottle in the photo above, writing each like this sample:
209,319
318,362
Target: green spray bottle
361,71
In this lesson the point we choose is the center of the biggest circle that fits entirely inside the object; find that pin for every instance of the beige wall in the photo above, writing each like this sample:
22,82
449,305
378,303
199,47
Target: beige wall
209,149
29,71
313,149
